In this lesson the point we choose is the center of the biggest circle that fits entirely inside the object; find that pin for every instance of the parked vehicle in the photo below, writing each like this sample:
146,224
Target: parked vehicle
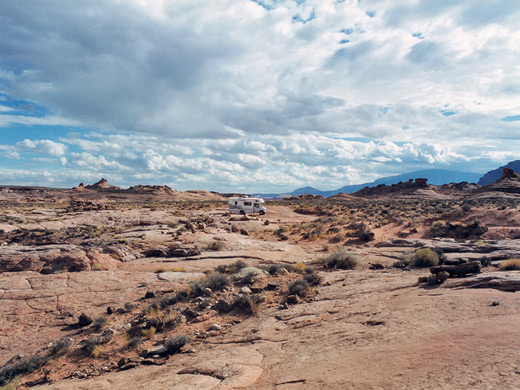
246,205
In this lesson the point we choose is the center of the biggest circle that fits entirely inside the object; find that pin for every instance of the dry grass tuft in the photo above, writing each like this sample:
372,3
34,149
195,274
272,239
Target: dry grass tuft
510,265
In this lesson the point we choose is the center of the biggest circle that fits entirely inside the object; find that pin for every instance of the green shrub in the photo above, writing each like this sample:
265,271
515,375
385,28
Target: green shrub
174,344
216,246
61,347
213,281
341,259
424,257
9,372
299,287
231,268
312,278
274,269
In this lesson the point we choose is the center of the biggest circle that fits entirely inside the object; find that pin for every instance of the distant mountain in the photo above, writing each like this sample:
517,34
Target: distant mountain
434,176
306,190
495,174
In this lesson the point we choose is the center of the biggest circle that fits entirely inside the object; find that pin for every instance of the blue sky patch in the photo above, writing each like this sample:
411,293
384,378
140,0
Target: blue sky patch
512,118
300,19
448,112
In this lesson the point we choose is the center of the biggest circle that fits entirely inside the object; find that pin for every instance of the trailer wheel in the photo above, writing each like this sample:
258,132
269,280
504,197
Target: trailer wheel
242,212
262,212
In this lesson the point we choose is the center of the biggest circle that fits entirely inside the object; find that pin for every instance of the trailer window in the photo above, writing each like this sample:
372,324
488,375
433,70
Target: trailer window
247,203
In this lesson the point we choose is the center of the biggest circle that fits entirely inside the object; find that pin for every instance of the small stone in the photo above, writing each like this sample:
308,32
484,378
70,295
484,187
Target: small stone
215,327
110,310
442,276
122,362
84,320
144,353
245,290
159,350
431,280
207,292
223,306
495,303
272,286
128,366
422,279
293,299
149,294
127,326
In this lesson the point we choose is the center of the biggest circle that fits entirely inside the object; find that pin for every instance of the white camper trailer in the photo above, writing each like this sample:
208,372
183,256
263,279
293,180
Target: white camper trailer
245,205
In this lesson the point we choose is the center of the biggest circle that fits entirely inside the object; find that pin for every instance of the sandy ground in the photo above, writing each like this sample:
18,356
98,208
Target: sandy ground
360,329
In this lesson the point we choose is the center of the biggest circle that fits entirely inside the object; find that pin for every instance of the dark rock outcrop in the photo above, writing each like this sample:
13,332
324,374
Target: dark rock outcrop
492,176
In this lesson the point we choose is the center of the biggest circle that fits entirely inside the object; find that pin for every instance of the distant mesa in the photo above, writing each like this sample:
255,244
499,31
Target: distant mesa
435,177
102,185
415,188
305,197
508,183
80,187
495,174
141,189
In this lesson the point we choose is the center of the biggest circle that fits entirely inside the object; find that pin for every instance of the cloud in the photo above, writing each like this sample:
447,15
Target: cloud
197,69
42,147
240,93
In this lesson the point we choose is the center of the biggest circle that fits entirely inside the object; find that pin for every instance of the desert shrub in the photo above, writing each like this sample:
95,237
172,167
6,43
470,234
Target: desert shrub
171,322
274,269
249,278
160,270
149,333
213,281
510,265
61,347
312,278
98,267
333,230
248,303
215,246
340,258
231,268
90,346
424,257
457,230
337,238
134,342
13,385
174,344
99,322
10,371
300,267
298,287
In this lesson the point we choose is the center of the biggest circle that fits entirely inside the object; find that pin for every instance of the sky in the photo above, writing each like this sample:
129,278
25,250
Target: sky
255,95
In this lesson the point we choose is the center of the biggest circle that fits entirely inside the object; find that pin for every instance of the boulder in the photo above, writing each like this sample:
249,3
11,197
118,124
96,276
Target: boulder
72,261
84,320
183,252
246,271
